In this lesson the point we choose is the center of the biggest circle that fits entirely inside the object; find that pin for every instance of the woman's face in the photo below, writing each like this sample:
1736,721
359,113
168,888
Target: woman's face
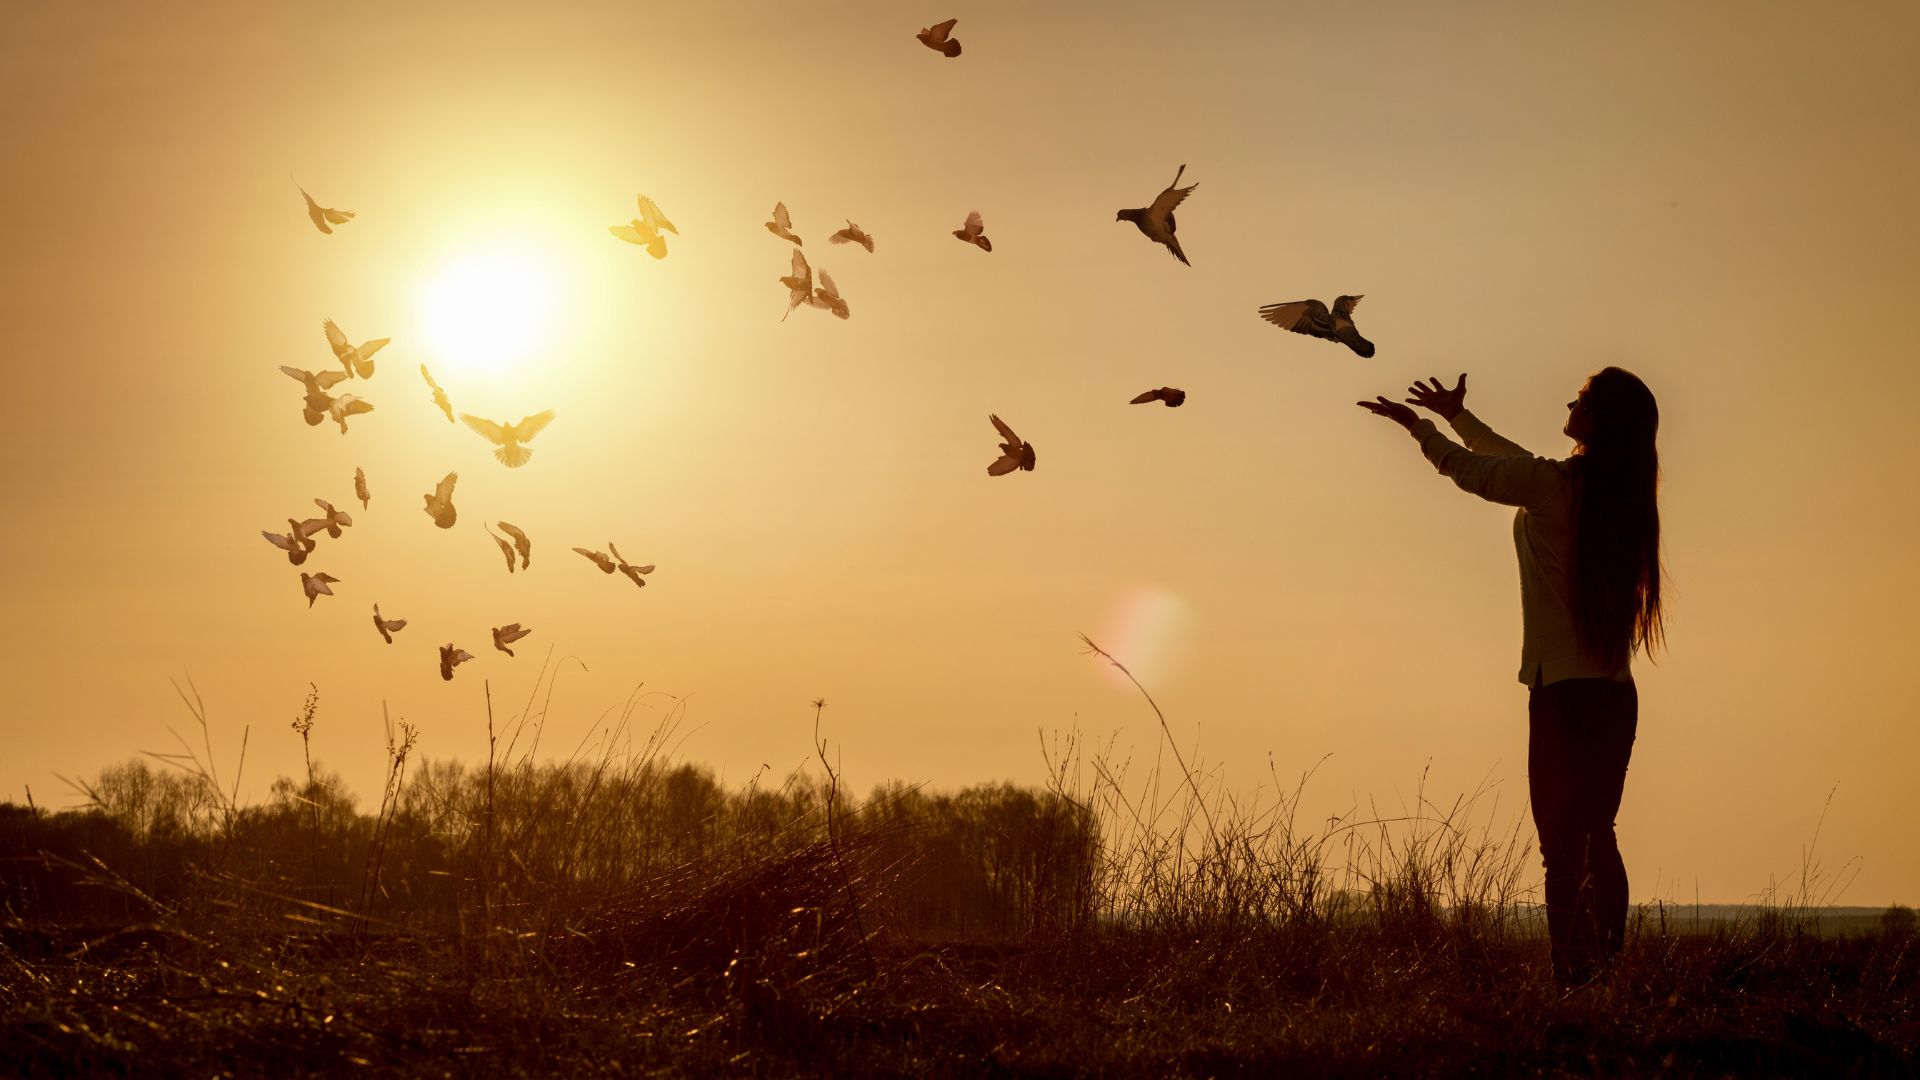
1579,420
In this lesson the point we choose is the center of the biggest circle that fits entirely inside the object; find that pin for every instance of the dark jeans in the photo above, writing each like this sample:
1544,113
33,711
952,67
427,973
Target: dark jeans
1580,734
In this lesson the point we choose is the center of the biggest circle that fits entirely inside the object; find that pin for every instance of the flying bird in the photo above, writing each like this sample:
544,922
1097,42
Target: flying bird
315,585
828,296
799,284
506,548
1311,317
508,437
935,37
504,636
440,503
782,225
1173,398
439,395
318,401
1014,454
520,543
295,542
360,486
451,658
1156,221
324,218
331,524
633,572
357,360
645,229
600,559
975,232
852,234
344,406
387,627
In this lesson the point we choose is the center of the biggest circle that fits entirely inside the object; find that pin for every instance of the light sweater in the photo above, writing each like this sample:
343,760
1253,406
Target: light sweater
1499,470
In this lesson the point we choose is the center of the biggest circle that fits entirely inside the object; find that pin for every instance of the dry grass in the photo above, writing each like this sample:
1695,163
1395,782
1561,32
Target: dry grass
614,913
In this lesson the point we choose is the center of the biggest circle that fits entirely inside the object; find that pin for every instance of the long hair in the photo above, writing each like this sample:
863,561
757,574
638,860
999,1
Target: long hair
1616,556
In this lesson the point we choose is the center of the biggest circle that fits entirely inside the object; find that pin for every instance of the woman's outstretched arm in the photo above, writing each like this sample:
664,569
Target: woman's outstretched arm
1451,406
1513,479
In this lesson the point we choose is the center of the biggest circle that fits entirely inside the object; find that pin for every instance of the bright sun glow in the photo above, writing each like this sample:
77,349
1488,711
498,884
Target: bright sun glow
487,313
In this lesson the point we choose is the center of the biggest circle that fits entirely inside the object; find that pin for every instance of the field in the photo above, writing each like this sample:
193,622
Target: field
616,913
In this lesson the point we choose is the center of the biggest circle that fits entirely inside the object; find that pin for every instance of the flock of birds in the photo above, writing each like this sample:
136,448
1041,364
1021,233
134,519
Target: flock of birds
649,230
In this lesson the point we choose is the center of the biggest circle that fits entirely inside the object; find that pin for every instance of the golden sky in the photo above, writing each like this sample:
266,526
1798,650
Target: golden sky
1719,197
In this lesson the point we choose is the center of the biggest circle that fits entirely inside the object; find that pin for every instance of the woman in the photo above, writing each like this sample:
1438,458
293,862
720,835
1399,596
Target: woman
1588,536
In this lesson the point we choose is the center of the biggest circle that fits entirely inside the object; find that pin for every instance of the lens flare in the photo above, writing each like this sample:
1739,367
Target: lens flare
1150,630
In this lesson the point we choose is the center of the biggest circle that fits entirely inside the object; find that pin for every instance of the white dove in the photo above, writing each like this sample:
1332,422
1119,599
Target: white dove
347,405
645,229
323,217
508,437
357,360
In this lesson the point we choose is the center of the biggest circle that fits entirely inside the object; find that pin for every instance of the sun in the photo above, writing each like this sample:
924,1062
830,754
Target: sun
486,313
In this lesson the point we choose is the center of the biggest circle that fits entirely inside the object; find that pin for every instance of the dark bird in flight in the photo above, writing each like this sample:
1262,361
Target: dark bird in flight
645,230
508,437
331,524
600,559
975,232
1156,221
440,503
506,549
799,284
315,585
439,395
504,636
344,406
935,37
451,658
852,234
324,218
610,563
1312,317
1014,454
828,296
318,401
295,542
387,627
633,572
520,543
782,225
360,486
358,361
1174,398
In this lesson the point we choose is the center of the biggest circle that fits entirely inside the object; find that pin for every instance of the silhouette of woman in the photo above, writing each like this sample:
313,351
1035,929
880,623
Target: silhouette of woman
1588,536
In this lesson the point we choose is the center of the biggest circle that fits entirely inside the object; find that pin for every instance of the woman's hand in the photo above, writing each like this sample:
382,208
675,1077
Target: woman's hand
1392,410
1442,401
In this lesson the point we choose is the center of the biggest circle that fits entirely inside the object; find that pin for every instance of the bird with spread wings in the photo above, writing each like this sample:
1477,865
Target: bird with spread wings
1014,453
645,230
507,438
1315,319
1156,221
